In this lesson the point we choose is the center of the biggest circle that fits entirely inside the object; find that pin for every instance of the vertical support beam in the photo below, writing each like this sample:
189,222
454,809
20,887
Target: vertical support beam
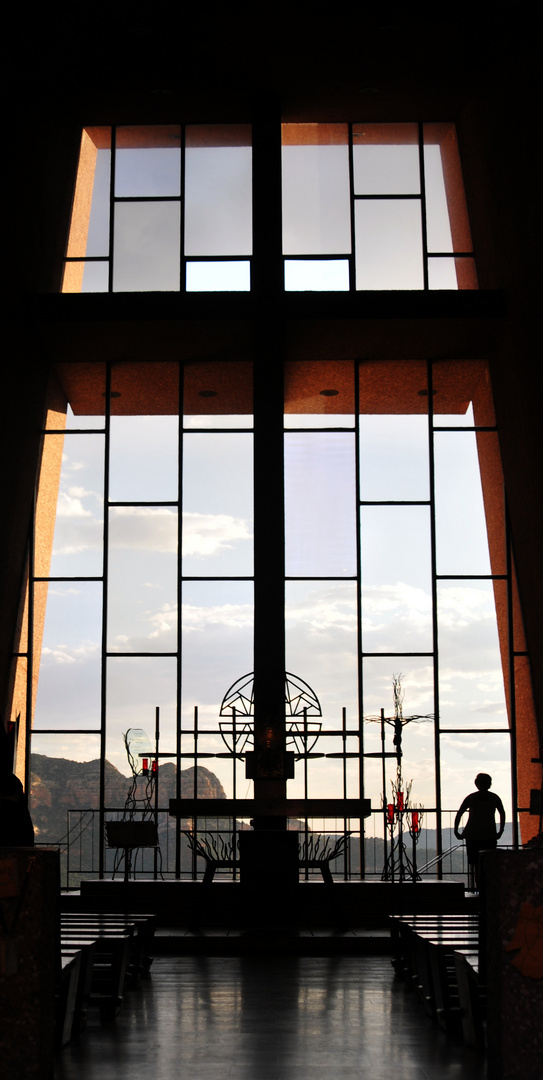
105,598
437,721
269,526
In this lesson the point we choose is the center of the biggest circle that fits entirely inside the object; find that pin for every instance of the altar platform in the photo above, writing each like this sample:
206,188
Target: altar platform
310,904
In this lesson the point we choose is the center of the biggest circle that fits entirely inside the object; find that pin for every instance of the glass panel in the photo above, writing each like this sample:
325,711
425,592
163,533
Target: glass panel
322,644
218,394
146,247
69,676
386,159
316,201
142,599
217,505
89,229
135,687
437,214
65,773
417,683
471,690
316,275
217,651
442,274
218,191
320,521
143,458
148,161
218,276
394,458
461,534
396,579
463,757
87,277
78,536
388,244
446,214
452,274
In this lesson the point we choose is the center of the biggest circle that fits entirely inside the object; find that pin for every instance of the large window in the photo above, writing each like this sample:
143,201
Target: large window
162,209
364,207
374,206
141,589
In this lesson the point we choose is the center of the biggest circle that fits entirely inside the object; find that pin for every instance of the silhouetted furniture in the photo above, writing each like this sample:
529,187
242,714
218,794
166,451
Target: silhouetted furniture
131,835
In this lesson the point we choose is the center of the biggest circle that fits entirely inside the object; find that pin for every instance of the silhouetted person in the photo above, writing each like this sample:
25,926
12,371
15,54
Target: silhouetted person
16,829
480,832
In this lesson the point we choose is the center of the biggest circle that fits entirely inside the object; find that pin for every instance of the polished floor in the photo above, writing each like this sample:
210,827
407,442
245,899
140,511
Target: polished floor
269,1018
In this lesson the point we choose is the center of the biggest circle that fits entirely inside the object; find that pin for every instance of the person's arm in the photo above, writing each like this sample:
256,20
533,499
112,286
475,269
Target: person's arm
501,812
458,818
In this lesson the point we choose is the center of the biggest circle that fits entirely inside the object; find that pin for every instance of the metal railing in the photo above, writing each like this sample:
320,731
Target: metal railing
80,847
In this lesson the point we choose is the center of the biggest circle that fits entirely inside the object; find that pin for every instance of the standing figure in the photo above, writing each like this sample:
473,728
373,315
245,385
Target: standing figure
480,832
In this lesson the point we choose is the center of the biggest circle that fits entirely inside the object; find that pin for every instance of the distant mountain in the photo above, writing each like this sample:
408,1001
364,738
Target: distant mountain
58,785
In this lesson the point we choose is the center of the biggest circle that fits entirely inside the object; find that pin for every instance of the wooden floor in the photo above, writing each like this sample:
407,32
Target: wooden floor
268,1018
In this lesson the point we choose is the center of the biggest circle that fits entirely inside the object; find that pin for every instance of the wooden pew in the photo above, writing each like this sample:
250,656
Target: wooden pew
424,948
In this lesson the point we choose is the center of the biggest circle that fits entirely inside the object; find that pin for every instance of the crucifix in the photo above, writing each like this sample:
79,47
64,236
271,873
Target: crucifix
400,815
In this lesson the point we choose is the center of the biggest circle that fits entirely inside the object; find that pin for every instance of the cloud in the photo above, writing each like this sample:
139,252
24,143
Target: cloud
238,616
70,505
71,654
206,534
155,529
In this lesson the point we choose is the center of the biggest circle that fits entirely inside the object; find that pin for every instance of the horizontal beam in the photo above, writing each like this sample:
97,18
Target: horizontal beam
290,808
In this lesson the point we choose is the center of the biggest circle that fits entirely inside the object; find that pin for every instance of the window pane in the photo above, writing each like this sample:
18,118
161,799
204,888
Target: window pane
471,685
135,687
146,247
462,757
70,673
86,277
396,579
386,159
89,229
322,644
148,161
442,274
394,457
461,534
217,650
218,276
78,538
217,505
417,684
316,202
65,773
142,601
388,244
452,273
320,504
439,236
143,458
446,213
218,191
316,275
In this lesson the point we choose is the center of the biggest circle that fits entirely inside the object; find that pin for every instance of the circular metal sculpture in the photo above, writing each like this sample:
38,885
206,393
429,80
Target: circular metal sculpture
301,704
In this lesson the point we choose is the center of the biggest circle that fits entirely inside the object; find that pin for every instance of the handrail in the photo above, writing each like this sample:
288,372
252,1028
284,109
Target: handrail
438,858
